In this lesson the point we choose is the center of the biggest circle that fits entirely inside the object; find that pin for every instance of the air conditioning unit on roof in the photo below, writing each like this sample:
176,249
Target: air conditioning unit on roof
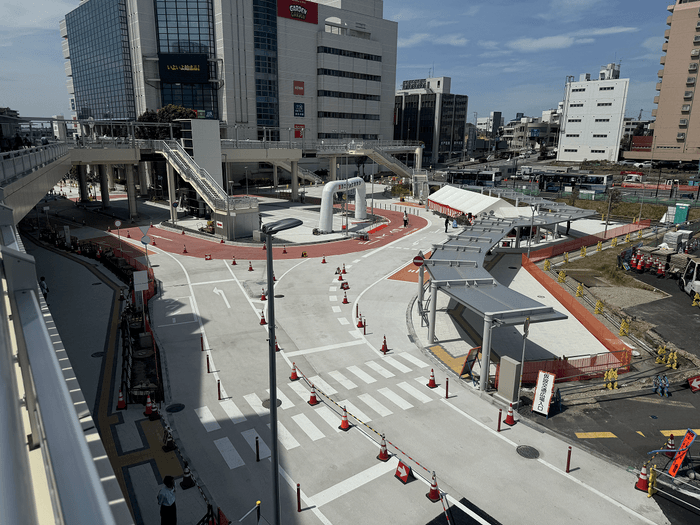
680,136
695,52
683,122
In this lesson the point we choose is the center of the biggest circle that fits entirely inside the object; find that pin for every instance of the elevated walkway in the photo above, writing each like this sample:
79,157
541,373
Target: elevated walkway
304,174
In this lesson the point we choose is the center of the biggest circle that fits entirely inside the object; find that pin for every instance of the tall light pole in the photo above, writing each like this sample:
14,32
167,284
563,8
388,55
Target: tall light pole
269,230
246,181
532,225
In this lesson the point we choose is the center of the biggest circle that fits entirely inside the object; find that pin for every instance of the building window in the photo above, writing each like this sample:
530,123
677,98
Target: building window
574,120
597,151
342,94
604,103
602,120
571,135
606,88
346,53
600,136
575,105
570,150
348,74
353,116
578,90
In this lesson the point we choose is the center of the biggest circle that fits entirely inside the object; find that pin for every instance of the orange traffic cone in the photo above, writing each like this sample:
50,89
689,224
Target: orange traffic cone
434,494
344,268
313,400
184,248
340,277
233,262
264,247
128,235
294,376
187,479
510,420
274,279
121,404
323,261
149,406
432,383
262,319
661,272
359,322
222,240
262,296
383,454
384,347
671,445
345,298
250,266
153,243
277,347
643,482
284,248
183,232
344,424
109,229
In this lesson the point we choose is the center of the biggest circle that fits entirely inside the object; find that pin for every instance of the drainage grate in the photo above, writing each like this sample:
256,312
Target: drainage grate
528,452
266,403
175,407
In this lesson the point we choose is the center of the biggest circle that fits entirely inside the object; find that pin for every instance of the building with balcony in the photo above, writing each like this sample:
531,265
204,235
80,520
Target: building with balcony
275,68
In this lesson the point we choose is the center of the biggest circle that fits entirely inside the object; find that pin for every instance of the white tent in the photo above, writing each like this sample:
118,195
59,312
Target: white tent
454,201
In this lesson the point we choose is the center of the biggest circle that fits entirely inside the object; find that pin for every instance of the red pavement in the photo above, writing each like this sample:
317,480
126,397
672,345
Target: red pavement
174,242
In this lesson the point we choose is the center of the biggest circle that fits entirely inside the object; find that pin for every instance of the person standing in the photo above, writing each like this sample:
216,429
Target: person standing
405,219
447,223
44,287
166,500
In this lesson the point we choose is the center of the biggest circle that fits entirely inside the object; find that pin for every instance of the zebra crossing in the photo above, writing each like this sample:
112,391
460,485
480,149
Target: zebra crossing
322,421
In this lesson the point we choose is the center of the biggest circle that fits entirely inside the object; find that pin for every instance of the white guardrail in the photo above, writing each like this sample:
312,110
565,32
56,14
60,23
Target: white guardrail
15,164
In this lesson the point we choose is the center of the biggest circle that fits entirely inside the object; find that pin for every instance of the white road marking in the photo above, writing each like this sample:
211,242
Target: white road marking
207,419
308,427
353,482
336,309
329,417
356,333
342,380
375,405
214,282
320,383
361,374
379,369
223,296
286,403
424,382
343,321
356,261
393,362
332,298
348,266
324,348
228,452
413,359
395,398
333,289
413,391
300,389
232,411
255,403
356,412
284,436
249,436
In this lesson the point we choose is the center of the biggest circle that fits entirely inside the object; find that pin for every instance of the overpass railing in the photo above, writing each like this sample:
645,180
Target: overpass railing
17,163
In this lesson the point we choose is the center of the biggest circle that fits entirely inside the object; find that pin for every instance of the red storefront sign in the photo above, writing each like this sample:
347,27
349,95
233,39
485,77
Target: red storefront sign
299,131
301,10
298,87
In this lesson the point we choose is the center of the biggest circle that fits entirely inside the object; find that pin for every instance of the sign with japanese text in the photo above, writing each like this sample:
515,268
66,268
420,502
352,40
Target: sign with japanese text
298,109
298,131
301,10
183,68
298,87
543,392
682,451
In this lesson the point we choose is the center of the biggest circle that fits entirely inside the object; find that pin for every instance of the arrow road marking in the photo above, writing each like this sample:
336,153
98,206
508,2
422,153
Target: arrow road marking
221,293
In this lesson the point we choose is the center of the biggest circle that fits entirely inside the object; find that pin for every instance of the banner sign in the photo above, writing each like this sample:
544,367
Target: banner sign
298,109
301,10
682,451
298,87
543,392
185,68
299,131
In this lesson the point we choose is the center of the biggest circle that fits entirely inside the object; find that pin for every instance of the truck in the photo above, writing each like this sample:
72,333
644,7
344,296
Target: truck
689,278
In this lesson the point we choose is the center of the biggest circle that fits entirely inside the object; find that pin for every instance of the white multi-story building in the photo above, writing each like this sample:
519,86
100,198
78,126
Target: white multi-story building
490,124
592,120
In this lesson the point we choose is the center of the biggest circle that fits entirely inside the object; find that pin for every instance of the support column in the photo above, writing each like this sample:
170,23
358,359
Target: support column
143,178
332,172
131,174
485,353
104,187
419,158
295,181
82,183
433,312
171,192
275,177
110,176
518,233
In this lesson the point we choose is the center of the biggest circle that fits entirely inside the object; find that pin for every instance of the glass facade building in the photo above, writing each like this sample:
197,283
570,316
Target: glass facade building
100,60
265,47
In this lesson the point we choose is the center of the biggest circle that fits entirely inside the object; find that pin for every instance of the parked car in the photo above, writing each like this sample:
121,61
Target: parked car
687,166
626,163
646,164
658,164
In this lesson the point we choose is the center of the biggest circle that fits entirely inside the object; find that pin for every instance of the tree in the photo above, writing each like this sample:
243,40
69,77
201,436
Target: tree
165,116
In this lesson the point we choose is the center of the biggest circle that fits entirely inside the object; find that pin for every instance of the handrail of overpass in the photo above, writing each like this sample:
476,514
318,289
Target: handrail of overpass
17,163
76,488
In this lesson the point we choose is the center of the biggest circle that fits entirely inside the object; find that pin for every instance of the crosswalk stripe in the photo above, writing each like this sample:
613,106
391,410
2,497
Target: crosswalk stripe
255,403
207,419
379,369
249,436
286,403
375,405
232,411
413,391
284,436
300,389
395,398
344,381
336,309
413,359
393,362
343,321
308,427
333,289
329,417
361,374
332,297
228,452
320,383
356,412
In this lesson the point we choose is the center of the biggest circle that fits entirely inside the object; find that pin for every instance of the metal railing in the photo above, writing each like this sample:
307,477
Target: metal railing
15,164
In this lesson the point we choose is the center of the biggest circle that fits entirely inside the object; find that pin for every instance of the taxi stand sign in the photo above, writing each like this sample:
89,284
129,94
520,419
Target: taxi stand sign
543,392
682,451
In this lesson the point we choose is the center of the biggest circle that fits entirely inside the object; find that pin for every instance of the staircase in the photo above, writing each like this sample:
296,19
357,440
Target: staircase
305,174
385,159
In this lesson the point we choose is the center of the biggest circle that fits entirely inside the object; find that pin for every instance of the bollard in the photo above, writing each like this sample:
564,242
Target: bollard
257,508
218,385
447,385
357,310
568,461
298,498
201,342
257,449
364,326
500,415
208,370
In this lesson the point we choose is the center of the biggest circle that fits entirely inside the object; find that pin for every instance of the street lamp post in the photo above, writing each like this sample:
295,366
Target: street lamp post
532,225
269,230
246,181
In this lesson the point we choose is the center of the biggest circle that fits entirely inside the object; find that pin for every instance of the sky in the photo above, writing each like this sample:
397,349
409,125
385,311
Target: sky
506,55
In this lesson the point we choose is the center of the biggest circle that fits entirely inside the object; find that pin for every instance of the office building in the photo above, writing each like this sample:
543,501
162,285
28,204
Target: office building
276,68
490,124
677,127
592,119
426,111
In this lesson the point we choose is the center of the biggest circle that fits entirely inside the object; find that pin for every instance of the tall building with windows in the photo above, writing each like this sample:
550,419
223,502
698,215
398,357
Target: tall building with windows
677,126
285,68
426,111
592,121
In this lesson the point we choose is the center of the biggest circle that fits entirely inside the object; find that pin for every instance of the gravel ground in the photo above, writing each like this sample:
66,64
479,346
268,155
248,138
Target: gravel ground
623,297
